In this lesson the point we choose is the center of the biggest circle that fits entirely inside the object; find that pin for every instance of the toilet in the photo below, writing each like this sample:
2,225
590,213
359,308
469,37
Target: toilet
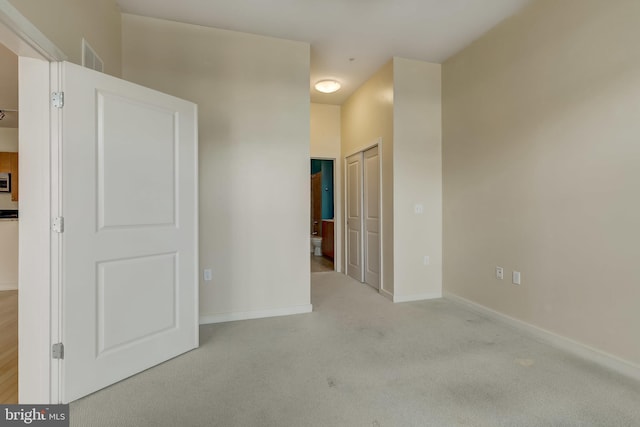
316,243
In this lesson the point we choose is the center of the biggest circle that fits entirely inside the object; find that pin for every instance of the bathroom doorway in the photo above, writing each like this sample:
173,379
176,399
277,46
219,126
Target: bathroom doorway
322,216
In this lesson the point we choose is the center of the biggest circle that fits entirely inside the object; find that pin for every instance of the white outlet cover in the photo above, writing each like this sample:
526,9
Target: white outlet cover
499,273
207,274
418,208
426,260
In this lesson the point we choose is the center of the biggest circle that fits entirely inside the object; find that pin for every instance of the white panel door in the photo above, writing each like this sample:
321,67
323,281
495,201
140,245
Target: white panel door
371,211
129,290
354,217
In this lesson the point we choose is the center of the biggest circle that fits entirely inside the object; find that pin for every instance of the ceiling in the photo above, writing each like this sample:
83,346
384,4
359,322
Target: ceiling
350,39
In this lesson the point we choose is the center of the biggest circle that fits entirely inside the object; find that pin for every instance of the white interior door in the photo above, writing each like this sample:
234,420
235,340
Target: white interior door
354,216
371,211
129,288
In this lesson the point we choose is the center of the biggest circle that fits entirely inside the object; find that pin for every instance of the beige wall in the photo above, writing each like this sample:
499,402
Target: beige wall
541,150
417,179
325,131
9,139
325,143
9,80
253,99
366,116
66,22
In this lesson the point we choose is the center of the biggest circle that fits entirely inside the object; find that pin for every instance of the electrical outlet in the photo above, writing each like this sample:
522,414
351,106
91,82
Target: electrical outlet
499,273
418,209
208,275
516,278
426,260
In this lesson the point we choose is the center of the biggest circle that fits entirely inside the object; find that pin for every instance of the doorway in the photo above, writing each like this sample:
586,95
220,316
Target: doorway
9,226
363,216
47,373
322,217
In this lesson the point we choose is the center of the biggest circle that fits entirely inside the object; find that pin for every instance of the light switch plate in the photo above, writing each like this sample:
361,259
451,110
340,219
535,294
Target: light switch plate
516,278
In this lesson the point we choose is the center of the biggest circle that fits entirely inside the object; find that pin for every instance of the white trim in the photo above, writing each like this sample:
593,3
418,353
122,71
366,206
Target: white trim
57,377
417,297
563,343
258,314
29,40
37,315
385,293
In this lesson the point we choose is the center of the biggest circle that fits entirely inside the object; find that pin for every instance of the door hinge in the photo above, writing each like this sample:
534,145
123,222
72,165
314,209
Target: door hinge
57,99
57,351
58,225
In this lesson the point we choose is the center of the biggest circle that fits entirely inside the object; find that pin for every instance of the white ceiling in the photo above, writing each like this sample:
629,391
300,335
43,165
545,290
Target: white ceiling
370,31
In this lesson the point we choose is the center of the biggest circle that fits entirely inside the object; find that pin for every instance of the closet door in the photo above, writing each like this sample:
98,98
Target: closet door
354,217
371,211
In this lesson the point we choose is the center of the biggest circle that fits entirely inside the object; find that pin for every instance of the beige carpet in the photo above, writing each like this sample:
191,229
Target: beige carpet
359,360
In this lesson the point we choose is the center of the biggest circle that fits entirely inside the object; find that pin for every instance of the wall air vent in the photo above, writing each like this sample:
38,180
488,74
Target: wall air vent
90,58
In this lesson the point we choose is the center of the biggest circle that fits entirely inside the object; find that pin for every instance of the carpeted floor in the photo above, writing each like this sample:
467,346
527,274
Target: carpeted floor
360,360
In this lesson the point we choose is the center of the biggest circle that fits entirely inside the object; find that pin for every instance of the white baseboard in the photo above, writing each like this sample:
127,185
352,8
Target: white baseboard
418,297
8,286
385,293
258,314
578,349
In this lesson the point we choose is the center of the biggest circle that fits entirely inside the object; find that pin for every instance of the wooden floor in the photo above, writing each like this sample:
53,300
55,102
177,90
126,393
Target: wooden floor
8,347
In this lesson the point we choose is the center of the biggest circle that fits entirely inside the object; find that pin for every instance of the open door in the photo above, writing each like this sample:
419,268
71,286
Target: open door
128,254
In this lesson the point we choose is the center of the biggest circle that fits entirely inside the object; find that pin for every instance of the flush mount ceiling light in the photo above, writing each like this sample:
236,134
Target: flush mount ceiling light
327,86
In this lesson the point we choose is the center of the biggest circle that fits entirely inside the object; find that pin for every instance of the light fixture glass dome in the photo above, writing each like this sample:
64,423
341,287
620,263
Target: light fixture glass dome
327,86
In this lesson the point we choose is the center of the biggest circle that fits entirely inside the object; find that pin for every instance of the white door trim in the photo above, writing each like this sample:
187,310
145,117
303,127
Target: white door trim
379,143
37,376
24,38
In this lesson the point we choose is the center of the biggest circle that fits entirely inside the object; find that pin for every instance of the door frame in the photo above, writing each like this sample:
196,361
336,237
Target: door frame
378,142
336,254
38,314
